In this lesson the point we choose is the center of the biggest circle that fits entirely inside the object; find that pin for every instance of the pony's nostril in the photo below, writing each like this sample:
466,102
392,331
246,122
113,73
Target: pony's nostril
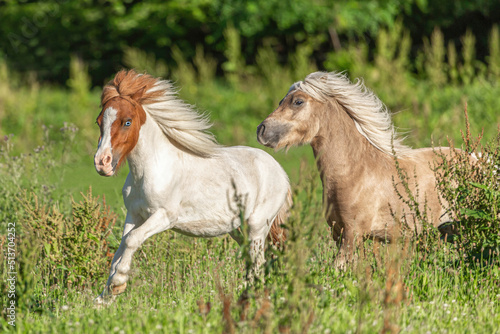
260,129
107,160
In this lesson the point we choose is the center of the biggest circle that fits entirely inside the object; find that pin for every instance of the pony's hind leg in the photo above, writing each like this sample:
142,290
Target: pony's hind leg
258,229
255,252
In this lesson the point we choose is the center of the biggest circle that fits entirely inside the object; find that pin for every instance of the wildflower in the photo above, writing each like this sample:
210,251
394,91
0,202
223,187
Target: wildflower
65,307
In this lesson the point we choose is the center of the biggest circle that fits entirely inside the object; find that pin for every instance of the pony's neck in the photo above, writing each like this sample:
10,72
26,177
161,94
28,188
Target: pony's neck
153,153
342,152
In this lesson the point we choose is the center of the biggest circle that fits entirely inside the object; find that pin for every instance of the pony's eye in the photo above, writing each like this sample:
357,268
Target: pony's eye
128,123
298,102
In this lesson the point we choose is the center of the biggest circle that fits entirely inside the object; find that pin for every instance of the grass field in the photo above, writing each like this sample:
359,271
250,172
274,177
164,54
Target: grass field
185,285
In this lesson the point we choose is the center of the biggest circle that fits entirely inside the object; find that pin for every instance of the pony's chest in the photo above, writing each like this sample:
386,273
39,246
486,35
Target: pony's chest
143,200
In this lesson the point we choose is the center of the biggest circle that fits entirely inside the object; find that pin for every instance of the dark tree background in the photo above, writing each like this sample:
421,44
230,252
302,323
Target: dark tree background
41,36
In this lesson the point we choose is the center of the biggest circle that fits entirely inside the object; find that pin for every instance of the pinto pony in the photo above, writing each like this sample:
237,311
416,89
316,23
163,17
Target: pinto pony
180,178
355,145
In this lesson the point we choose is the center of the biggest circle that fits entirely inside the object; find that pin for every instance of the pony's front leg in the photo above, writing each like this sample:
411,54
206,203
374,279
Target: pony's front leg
133,237
104,296
347,251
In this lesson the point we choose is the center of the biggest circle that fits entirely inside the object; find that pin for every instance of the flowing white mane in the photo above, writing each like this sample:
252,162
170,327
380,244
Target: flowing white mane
370,115
180,121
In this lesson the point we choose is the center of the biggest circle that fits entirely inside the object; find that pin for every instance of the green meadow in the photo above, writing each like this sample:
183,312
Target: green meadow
68,219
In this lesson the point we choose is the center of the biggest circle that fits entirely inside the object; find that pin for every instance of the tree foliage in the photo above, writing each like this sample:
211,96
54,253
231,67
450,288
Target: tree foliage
41,36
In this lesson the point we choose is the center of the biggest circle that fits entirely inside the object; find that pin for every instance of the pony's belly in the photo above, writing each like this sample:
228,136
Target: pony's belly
205,229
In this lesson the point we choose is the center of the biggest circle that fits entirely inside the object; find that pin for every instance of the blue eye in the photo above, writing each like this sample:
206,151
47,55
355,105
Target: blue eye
128,123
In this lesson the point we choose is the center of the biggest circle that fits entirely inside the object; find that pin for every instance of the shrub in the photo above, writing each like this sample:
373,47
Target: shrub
472,189
76,249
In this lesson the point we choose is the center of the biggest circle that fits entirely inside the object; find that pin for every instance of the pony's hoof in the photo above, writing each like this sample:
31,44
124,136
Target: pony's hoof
103,300
118,289
340,263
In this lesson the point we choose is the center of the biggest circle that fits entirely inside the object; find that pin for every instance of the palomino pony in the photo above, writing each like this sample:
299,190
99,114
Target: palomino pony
355,145
180,179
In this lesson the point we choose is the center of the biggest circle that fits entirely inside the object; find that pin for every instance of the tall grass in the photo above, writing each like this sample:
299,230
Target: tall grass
181,284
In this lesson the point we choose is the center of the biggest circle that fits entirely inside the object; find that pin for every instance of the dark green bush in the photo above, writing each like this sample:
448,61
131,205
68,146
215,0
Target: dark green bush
41,36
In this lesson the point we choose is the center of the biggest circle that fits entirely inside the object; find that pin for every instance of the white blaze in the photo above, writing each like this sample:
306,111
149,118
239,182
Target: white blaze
108,118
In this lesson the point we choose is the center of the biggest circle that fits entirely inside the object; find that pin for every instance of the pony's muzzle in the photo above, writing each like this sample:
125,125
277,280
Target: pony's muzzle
103,163
270,134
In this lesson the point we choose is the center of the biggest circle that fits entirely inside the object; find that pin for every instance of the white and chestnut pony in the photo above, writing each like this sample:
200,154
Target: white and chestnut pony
355,145
180,178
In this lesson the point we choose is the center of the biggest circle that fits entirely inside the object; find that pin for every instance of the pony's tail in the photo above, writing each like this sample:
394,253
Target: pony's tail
277,234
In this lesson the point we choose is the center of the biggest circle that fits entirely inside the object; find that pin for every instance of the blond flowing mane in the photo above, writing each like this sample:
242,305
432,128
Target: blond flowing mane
178,120
370,115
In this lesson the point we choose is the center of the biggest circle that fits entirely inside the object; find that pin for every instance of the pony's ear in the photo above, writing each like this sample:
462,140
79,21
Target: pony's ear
138,95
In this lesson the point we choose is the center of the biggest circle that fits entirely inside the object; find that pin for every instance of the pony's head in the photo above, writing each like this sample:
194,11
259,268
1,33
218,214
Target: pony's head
120,119
127,101
296,121
316,101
